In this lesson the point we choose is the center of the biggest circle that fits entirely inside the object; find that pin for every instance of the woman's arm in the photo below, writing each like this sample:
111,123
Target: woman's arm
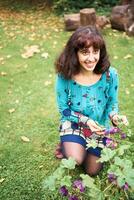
62,93
112,104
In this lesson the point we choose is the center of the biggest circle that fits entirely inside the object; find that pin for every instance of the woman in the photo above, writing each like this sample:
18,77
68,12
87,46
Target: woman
87,96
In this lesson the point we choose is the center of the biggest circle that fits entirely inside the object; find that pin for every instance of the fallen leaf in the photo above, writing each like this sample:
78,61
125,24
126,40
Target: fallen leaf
115,57
17,101
2,179
30,51
8,56
41,166
127,91
128,56
11,110
25,139
48,83
44,55
1,58
3,73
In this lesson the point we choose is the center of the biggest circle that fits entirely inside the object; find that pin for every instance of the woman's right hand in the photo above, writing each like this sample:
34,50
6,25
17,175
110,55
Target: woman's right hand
94,127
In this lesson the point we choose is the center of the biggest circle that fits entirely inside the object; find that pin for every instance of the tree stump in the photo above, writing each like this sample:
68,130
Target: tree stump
119,17
87,16
72,21
130,25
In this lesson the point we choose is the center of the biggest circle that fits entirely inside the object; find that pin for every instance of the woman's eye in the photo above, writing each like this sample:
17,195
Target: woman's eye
96,51
85,53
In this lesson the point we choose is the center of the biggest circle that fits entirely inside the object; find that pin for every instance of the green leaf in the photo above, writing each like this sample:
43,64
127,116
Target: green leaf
123,162
130,177
50,183
122,149
66,180
106,154
58,174
68,163
121,181
112,168
96,194
129,133
91,143
87,180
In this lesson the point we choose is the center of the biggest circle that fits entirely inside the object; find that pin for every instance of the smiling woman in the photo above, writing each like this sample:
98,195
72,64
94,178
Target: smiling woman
87,96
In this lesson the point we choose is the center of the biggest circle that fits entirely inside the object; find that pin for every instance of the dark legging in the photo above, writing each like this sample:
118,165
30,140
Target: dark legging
82,157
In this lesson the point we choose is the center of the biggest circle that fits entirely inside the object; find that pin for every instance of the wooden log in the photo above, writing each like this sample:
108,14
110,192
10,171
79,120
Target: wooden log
119,17
72,21
87,16
130,25
102,21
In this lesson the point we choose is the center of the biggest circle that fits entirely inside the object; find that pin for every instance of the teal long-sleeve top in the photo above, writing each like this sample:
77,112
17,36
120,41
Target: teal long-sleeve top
98,101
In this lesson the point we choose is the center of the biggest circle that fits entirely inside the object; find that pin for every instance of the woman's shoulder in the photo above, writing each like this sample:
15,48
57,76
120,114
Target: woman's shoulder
113,71
61,80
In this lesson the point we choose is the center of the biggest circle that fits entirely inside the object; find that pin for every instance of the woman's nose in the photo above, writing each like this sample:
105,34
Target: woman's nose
91,58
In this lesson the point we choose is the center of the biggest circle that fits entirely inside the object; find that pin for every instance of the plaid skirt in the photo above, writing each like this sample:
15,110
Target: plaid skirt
81,134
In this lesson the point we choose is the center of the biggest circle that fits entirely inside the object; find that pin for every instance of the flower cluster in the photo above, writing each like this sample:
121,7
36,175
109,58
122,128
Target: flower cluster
110,142
77,186
113,179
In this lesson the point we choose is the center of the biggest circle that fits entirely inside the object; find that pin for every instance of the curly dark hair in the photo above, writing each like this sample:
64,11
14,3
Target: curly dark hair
68,64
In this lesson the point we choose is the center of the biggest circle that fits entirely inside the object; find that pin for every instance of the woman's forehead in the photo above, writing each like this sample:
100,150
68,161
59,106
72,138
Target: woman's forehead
89,48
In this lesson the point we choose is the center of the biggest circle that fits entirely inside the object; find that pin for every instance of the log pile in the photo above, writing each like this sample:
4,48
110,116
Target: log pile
86,16
122,17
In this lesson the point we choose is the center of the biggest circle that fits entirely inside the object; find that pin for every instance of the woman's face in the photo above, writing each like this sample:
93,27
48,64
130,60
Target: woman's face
88,58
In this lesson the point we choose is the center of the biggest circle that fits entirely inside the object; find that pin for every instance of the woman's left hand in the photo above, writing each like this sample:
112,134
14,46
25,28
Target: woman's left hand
116,118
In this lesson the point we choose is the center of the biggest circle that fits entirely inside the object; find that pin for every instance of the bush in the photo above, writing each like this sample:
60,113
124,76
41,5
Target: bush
73,6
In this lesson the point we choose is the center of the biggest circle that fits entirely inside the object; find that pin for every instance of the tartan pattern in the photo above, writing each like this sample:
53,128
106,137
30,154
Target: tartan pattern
66,129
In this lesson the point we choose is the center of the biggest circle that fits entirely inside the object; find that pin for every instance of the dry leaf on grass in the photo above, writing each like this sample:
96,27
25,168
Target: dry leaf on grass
11,110
127,91
30,51
1,58
44,55
25,139
48,83
3,73
128,56
115,57
2,179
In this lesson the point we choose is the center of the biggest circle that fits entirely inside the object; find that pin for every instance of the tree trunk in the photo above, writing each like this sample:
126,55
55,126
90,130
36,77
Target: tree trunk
87,16
72,21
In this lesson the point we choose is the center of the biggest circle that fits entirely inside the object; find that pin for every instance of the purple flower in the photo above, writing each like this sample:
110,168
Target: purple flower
73,197
112,130
63,191
108,141
112,177
123,135
79,185
125,187
111,143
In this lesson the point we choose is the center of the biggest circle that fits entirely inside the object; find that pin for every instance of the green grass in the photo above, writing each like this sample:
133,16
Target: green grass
23,165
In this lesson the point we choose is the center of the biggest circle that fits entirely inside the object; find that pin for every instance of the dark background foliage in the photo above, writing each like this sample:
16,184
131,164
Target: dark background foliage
59,6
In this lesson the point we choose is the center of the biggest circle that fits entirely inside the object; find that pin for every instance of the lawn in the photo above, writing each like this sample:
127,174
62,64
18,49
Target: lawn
27,97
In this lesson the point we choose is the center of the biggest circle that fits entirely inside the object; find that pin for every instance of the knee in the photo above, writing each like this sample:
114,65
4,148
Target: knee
92,172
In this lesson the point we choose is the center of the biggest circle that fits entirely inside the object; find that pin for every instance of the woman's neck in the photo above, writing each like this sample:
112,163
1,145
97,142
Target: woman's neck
87,78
